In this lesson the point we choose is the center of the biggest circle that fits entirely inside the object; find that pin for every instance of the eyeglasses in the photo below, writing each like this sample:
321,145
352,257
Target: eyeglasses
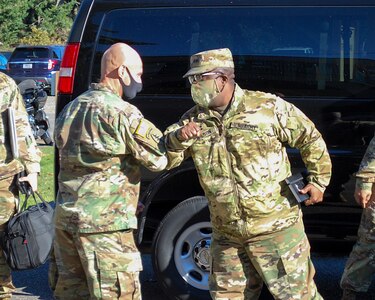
199,77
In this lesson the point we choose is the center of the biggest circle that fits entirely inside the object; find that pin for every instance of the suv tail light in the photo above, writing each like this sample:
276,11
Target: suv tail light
52,64
68,68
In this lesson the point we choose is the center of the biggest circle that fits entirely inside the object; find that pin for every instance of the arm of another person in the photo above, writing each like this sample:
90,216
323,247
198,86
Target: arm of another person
145,142
178,138
299,132
29,153
364,192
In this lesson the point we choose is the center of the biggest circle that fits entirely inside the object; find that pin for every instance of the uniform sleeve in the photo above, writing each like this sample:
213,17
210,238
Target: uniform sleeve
366,173
295,129
29,153
144,142
177,150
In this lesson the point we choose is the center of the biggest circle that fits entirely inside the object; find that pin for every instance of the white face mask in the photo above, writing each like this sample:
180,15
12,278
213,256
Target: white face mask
203,92
131,90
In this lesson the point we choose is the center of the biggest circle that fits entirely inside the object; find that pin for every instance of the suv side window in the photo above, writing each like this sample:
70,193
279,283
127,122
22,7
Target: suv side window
311,51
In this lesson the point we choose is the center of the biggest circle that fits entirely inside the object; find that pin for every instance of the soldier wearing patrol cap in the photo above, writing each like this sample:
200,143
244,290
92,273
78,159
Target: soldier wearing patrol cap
360,267
102,142
236,139
28,160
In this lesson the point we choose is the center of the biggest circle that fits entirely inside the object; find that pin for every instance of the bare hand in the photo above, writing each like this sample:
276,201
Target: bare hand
362,197
316,195
32,178
189,131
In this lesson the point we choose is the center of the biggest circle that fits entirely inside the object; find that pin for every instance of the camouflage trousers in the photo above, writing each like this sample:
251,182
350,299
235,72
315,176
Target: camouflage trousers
53,274
281,260
7,204
360,267
103,265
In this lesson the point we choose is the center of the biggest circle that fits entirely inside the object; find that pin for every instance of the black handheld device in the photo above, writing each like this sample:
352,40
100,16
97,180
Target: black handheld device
296,183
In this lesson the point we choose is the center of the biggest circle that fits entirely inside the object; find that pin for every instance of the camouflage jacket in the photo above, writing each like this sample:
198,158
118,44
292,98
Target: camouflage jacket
242,162
29,154
366,173
102,142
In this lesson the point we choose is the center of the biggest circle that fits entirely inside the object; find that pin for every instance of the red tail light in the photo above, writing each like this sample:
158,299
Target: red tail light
68,68
52,64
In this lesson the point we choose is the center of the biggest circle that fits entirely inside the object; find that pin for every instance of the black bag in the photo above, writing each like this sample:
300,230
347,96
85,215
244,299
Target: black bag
28,237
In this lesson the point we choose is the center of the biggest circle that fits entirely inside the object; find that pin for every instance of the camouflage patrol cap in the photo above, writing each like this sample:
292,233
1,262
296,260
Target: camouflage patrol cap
209,60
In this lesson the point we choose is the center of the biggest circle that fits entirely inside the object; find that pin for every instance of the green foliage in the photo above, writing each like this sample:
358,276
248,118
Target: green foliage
40,37
35,21
12,16
46,178
56,20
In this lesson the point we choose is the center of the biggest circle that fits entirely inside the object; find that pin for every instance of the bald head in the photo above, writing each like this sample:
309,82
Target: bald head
117,55
121,70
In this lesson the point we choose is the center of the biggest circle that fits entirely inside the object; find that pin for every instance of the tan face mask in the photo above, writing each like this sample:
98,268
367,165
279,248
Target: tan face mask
204,92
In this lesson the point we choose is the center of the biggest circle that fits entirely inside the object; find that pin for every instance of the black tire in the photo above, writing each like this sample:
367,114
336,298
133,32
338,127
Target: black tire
174,245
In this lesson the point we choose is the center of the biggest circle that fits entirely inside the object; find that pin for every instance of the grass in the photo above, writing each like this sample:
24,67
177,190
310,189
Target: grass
46,178
46,186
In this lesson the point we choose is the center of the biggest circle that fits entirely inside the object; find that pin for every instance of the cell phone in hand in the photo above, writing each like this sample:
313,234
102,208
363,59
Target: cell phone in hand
296,183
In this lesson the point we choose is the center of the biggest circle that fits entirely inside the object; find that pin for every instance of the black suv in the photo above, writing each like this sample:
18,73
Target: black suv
319,55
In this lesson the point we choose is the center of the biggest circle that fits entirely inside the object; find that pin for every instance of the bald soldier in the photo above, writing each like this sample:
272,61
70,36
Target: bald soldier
28,160
237,140
102,141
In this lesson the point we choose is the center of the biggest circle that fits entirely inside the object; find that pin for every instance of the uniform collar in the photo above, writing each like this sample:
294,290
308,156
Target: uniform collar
237,103
102,87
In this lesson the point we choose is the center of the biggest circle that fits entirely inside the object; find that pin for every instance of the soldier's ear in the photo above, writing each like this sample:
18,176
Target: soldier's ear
123,74
121,71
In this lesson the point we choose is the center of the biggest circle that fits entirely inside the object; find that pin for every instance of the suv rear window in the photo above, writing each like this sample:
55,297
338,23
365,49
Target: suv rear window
295,51
30,53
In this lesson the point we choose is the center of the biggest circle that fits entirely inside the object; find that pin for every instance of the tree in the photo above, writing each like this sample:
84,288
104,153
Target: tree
36,21
54,18
38,36
12,16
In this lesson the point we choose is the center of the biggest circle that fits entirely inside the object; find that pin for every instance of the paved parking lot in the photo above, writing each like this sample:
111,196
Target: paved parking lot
33,284
50,111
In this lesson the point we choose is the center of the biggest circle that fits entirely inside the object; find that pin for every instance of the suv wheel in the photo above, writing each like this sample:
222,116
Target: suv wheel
181,250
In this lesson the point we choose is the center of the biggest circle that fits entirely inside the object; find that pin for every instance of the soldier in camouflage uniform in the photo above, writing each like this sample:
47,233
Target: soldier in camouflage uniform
236,138
360,267
102,142
28,160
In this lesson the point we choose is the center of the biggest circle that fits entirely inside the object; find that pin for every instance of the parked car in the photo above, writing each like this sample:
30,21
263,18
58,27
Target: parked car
332,82
7,54
35,62
3,62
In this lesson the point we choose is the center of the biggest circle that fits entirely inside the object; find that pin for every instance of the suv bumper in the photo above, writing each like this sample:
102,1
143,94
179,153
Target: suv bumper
44,79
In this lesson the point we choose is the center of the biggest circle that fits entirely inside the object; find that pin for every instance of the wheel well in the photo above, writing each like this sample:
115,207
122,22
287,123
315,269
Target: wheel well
175,189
